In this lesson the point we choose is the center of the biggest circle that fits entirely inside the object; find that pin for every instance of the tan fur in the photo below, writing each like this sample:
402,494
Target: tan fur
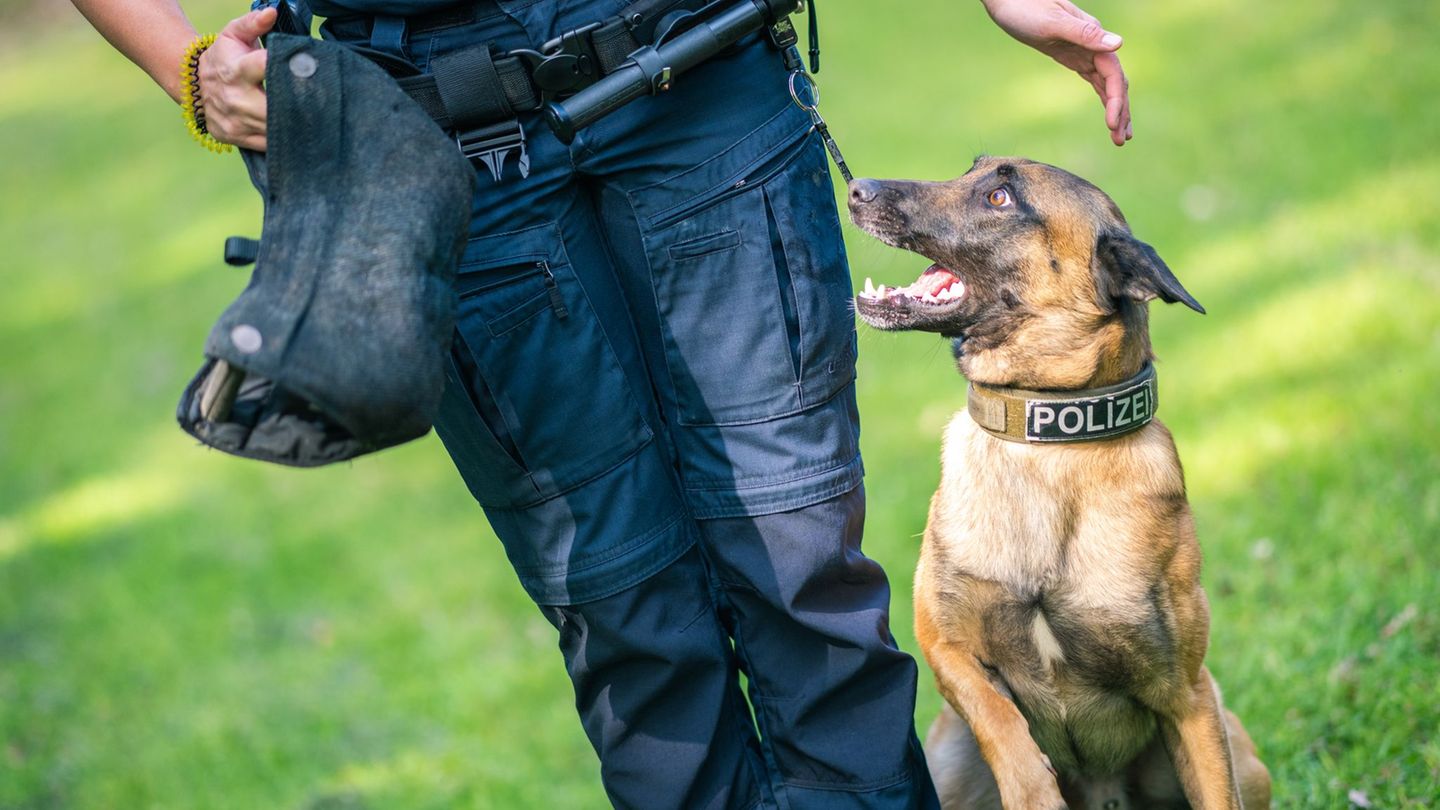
1011,522
1057,597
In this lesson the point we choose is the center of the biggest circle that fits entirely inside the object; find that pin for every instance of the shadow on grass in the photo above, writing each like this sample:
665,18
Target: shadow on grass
178,628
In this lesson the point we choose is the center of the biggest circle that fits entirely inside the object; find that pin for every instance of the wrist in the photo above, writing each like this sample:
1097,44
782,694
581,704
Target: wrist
169,79
161,57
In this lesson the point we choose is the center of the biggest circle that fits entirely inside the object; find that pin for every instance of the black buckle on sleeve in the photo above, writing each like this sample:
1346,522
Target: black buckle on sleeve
491,145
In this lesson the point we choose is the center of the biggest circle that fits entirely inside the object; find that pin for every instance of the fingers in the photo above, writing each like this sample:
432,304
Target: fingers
1078,41
1084,30
250,68
240,120
249,28
232,95
235,114
255,143
1114,91
1109,79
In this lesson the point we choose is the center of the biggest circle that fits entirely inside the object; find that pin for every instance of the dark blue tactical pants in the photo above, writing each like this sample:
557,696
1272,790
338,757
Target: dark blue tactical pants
652,396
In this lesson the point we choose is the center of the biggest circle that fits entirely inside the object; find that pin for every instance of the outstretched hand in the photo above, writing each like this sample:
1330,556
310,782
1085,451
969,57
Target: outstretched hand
1076,40
232,77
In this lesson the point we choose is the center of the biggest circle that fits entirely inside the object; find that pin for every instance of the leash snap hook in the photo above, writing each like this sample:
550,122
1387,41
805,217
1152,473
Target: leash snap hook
817,123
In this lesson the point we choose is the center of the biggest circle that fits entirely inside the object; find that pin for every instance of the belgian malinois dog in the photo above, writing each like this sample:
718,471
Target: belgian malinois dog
1057,596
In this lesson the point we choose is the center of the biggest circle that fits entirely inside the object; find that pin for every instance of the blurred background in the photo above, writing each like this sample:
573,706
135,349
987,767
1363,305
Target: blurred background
181,629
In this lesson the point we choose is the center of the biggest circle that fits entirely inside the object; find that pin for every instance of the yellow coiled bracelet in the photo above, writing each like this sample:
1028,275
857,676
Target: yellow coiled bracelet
190,106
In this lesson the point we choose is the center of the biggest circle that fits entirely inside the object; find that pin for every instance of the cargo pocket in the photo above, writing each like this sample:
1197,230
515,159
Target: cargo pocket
809,250
752,288
549,405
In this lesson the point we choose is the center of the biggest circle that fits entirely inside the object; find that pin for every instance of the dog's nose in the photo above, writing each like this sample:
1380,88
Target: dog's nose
863,191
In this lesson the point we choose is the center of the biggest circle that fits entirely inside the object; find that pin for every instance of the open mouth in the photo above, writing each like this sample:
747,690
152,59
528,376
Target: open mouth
931,303
937,287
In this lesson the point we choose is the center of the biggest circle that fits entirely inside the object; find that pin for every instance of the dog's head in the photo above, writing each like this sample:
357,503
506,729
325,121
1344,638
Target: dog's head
1036,274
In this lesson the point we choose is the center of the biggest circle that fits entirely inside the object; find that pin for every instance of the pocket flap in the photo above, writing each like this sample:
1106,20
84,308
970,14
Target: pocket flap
705,245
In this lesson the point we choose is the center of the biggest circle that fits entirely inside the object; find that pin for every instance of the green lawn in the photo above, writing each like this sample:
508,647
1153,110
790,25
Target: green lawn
179,629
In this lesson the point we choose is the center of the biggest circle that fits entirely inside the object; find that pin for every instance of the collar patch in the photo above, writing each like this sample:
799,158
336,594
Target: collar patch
1043,417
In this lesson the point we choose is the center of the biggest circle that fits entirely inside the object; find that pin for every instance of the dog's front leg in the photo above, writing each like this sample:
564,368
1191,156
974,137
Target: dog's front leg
1022,773
1199,745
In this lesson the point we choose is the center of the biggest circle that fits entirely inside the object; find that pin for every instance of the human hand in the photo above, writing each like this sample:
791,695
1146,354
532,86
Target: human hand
1076,40
232,77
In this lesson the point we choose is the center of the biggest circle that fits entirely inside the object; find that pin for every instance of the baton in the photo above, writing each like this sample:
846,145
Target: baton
651,69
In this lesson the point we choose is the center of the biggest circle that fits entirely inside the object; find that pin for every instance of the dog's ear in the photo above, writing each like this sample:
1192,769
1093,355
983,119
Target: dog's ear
1129,268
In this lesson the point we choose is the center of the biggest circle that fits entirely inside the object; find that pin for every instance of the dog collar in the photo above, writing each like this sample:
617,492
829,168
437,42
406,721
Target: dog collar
1042,417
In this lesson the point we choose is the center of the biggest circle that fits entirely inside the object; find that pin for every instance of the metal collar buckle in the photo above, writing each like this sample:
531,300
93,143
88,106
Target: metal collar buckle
492,144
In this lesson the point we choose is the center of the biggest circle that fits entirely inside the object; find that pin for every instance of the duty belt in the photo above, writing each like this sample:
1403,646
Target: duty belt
477,93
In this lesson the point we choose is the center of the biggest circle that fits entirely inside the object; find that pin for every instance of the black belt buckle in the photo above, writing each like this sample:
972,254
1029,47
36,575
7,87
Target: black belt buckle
492,144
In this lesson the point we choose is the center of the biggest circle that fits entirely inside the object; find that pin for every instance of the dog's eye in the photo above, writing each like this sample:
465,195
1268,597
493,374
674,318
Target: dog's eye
999,198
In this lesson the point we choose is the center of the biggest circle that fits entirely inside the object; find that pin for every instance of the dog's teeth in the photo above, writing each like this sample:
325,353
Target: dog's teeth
869,286
880,291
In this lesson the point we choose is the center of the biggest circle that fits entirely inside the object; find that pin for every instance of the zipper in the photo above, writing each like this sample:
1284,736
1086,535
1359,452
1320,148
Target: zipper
552,288
506,274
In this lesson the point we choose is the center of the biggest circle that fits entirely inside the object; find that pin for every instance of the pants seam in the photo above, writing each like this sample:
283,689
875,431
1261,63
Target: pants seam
745,729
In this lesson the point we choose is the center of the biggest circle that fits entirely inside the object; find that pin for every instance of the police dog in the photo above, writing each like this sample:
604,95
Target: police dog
1057,596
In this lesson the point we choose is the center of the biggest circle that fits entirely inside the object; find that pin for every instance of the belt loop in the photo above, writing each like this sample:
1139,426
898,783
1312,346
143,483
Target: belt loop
387,35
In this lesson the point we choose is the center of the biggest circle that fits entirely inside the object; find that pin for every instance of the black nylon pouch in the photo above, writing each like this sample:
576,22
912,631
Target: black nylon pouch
337,346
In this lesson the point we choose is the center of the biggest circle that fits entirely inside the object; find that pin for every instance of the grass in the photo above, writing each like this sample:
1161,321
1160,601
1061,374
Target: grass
180,629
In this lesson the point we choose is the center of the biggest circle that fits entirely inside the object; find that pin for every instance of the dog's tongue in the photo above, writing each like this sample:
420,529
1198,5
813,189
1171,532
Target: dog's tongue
934,280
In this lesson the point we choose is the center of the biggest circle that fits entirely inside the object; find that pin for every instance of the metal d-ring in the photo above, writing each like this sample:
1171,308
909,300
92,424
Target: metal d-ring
814,91
817,123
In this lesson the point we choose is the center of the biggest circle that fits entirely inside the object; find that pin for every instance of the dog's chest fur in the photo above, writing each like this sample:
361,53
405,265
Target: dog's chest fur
1052,563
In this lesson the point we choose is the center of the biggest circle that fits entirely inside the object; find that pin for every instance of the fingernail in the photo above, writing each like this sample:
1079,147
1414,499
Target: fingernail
1110,40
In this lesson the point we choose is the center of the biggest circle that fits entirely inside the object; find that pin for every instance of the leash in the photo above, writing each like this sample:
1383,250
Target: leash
817,124
784,37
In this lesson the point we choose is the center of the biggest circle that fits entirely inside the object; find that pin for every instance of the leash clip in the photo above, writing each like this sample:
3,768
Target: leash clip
816,122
